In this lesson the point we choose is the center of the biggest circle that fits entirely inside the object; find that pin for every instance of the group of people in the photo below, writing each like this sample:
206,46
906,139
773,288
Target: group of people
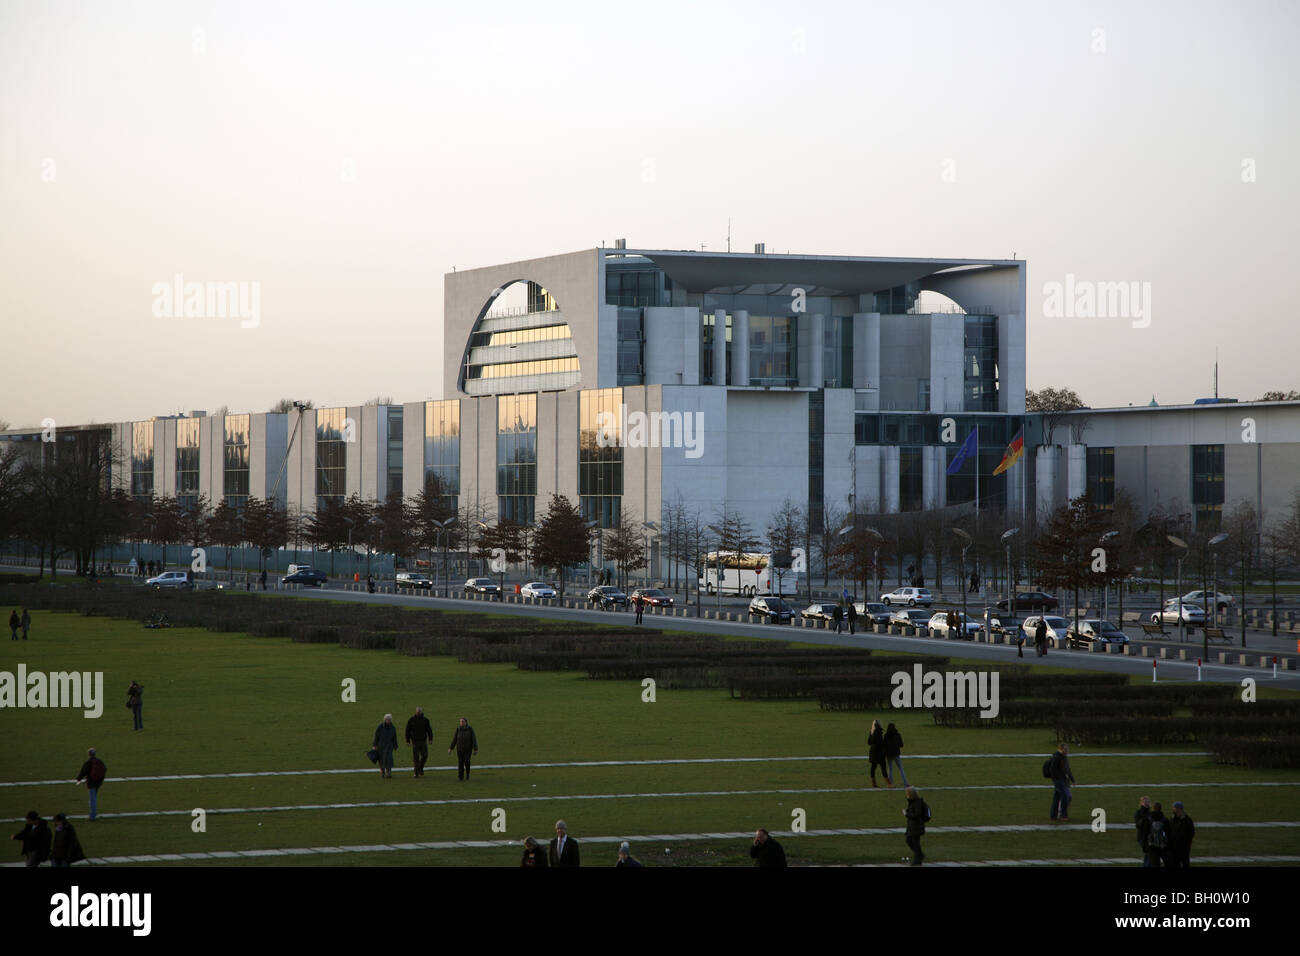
884,750
563,850
60,847
1165,841
418,734
15,622
844,611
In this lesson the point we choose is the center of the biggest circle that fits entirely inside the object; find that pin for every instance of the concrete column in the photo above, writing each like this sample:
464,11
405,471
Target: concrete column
817,355
719,346
929,477
868,490
1045,481
1077,475
866,352
890,491
740,347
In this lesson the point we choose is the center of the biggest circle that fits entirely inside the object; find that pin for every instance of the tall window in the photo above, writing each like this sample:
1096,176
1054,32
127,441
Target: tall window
1101,477
235,461
187,462
772,347
142,459
980,383
600,456
516,457
1207,485
817,459
837,355
442,447
707,332
631,346
331,456
394,489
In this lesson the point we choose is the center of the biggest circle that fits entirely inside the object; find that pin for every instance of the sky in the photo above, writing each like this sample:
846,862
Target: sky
335,160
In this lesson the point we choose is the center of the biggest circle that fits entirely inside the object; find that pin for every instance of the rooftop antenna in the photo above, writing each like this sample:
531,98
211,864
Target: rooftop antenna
728,233
1216,373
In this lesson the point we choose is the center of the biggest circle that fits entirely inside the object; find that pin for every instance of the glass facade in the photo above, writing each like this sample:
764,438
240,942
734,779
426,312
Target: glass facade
187,462
331,456
539,300
706,350
1101,478
837,352
980,385
1207,485
142,459
516,457
442,446
631,346
512,369
817,459
394,413
600,469
234,481
545,333
634,288
773,348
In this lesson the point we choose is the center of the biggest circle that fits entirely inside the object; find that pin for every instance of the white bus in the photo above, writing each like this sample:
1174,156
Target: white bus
749,573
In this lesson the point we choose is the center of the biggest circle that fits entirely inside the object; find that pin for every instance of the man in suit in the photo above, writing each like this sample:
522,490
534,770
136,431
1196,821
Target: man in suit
564,849
418,734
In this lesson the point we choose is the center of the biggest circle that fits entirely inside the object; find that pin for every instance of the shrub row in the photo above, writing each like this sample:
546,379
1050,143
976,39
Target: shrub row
1142,731
1266,753
1046,713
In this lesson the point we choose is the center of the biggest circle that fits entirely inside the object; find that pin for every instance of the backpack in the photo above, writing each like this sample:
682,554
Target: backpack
1048,766
97,772
925,809
1159,838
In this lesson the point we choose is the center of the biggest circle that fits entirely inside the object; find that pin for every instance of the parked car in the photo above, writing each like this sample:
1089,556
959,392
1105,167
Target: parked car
1199,598
607,597
536,589
1057,628
873,612
308,577
295,568
482,586
995,624
171,579
818,612
1031,601
939,627
1092,630
1193,614
912,597
413,579
772,608
913,617
653,597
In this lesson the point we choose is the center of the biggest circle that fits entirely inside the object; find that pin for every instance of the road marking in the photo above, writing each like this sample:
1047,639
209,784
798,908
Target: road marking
591,763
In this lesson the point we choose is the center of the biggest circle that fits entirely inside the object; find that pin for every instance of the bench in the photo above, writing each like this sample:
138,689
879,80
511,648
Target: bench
1216,634
1149,628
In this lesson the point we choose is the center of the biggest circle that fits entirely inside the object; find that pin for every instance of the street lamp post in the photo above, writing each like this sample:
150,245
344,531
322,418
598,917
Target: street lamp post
717,567
443,535
1212,596
1011,588
373,522
653,530
1178,542
965,536
1105,587
590,525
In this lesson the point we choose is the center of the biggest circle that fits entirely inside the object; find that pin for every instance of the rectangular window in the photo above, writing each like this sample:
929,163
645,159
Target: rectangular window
331,456
187,462
142,459
235,461
600,455
1207,485
516,457
395,414
442,446
1101,477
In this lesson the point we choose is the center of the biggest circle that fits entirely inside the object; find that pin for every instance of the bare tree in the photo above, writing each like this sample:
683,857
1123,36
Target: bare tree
1053,404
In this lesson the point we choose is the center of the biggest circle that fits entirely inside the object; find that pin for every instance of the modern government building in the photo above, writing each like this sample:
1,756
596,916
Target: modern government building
629,380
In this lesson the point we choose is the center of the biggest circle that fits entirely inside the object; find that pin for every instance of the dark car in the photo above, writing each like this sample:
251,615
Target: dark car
1031,601
482,586
873,612
653,596
1093,629
607,597
819,612
309,577
772,608
413,579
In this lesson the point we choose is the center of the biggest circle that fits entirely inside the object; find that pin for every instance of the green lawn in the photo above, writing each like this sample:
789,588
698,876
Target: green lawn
231,703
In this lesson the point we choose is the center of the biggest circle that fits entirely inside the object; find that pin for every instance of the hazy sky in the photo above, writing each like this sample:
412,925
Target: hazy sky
345,156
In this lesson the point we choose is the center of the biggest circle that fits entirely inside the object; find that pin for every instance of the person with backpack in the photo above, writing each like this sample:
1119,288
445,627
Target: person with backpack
876,752
918,815
1058,768
67,848
36,839
894,753
1158,837
1142,820
1181,832
93,771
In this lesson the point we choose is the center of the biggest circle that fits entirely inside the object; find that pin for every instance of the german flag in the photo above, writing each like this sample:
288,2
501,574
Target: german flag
1013,452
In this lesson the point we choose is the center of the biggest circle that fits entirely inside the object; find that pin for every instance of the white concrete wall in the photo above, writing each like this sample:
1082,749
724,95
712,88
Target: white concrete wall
672,346
866,354
412,448
947,371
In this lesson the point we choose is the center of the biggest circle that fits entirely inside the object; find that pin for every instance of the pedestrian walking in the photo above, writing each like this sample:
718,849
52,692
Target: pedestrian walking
386,743
93,772
135,700
370,584
66,848
918,815
852,613
894,753
36,838
13,624
1040,637
465,743
974,582
26,621
263,579
1158,838
640,607
766,852
876,753
418,734
1059,770
1142,822
837,616
1181,832
1020,642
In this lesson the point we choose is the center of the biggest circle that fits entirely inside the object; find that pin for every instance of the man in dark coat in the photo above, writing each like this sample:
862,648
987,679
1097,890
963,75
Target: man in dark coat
1062,778
837,615
418,734
135,700
13,624
67,848
386,743
93,771
851,612
1158,837
1142,820
766,852
894,754
1181,832
916,813
1040,637
534,855
465,743
36,839
26,621
563,850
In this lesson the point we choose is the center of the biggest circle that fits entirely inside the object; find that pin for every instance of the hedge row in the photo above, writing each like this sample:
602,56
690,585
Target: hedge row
1141,731
1268,753
1237,707
1045,713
